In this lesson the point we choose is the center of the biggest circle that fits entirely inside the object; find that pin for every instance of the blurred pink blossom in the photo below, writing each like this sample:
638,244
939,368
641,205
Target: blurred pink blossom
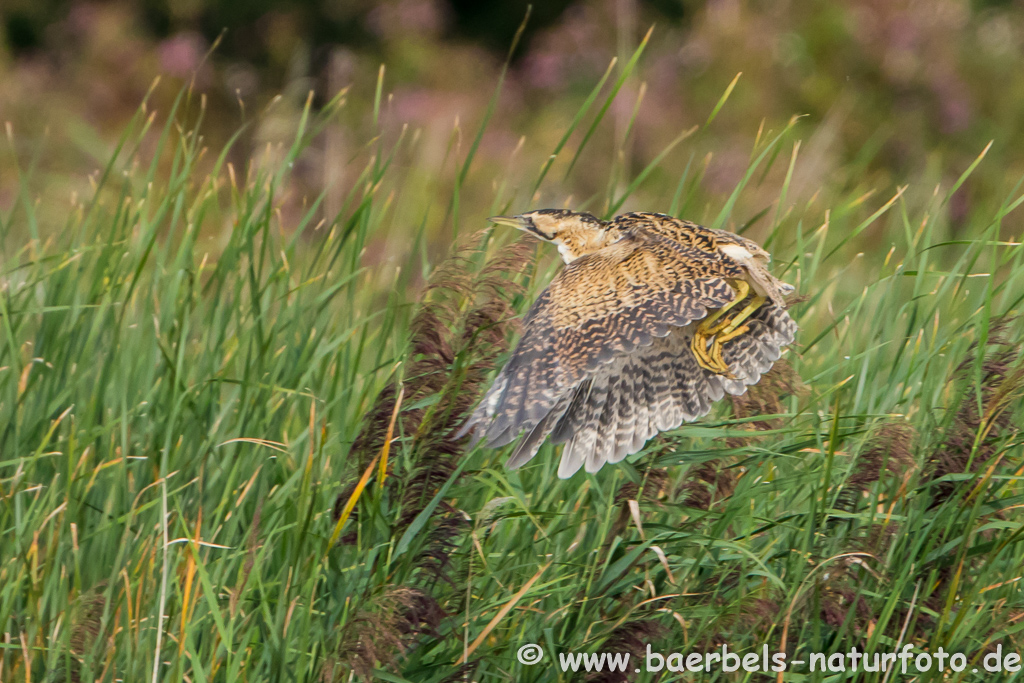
408,17
181,54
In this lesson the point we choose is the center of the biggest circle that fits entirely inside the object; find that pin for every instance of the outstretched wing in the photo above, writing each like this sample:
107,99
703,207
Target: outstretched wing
601,307
613,413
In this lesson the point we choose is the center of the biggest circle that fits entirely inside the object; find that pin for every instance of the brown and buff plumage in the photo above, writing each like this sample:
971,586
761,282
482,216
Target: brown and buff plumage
647,325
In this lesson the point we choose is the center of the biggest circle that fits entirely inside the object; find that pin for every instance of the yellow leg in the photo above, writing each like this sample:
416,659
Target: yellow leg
716,348
739,318
732,328
699,347
742,288
708,328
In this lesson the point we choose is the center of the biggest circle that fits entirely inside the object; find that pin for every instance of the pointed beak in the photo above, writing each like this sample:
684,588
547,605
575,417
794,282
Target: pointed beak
524,223
512,221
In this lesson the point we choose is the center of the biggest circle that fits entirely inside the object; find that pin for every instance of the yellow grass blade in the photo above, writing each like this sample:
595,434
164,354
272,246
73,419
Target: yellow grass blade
361,484
190,572
501,615
387,440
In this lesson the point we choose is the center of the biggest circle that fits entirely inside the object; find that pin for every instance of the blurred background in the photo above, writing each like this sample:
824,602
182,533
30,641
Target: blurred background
892,92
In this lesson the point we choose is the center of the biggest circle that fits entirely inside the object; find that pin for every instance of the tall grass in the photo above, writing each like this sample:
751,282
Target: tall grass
197,390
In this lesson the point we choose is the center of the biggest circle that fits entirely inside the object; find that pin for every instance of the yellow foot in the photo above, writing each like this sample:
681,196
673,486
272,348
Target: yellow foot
707,326
716,348
699,346
719,328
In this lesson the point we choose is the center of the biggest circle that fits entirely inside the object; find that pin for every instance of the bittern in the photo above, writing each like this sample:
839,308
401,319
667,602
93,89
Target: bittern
651,320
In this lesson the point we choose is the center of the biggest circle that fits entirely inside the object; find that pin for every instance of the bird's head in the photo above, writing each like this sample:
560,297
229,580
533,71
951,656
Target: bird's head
576,234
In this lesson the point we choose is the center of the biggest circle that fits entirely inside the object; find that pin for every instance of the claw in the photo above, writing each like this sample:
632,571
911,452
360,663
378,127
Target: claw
720,328
716,348
699,346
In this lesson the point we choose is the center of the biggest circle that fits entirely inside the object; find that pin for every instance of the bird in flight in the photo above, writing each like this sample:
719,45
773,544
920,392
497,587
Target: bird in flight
651,320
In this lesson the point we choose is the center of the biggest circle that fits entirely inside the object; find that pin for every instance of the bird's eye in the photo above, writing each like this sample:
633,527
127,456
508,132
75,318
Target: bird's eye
531,226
